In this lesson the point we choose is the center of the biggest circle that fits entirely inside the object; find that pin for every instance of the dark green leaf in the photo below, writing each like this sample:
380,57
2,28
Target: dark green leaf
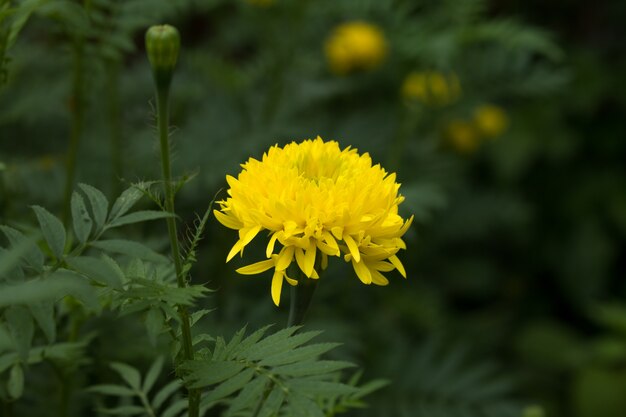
99,204
108,389
229,386
98,270
129,374
309,368
280,341
322,388
152,375
175,408
52,229
301,406
130,248
80,218
125,202
273,402
32,255
204,373
43,312
139,216
15,386
248,396
298,354
124,410
164,393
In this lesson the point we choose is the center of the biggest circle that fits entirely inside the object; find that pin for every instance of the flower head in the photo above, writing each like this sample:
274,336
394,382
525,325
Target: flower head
316,201
490,120
355,46
463,136
431,88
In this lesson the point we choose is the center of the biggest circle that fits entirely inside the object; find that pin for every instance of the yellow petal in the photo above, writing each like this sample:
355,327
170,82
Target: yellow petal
248,233
256,268
352,246
309,259
378,278
235,249
396,262
270,246
284,258
277,285
300,258
228,221
362,271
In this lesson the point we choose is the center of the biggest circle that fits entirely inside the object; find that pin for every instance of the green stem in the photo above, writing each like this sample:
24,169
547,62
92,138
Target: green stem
76,127
163,128
301,296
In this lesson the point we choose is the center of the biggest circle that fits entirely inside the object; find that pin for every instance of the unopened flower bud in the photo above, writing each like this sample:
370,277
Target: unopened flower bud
162,46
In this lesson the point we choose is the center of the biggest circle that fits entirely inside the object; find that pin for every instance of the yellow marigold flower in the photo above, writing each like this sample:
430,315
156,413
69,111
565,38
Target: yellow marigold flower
431,88
463,136
355,46
491,121
316,200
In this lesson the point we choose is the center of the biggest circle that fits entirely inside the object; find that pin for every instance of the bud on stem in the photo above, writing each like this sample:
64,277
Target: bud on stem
162,46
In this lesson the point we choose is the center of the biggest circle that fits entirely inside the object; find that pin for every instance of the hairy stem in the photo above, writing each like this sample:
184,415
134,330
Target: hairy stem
163,128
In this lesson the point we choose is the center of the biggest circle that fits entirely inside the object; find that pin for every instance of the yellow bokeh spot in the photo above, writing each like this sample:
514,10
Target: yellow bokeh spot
491,121
463,136
431,88
355,46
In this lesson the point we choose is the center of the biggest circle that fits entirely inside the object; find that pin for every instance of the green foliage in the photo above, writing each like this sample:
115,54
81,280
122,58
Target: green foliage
263,375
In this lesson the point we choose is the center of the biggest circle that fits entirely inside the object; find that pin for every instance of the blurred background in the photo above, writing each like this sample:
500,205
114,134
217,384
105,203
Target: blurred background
504,121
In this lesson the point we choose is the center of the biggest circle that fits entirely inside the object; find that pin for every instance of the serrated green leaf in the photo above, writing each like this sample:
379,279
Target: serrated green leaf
130,248
15,385
52,229
272,403
57,285
242,348
152,375
124,410
43,312
139,216
80,218
309,368
128,373
164,393
228,387
110,389
99,204
301,406
204,373
97,269
278,342
248,396
32,255
125,202
321,388
21,326
298,354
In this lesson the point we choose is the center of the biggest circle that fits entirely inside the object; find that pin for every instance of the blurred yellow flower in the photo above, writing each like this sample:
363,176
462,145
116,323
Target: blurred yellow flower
431,88
261,3
463,136
355,46
491,121
316,200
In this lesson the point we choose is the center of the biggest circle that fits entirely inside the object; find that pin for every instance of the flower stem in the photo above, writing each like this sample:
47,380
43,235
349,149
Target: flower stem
163,128
301,296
